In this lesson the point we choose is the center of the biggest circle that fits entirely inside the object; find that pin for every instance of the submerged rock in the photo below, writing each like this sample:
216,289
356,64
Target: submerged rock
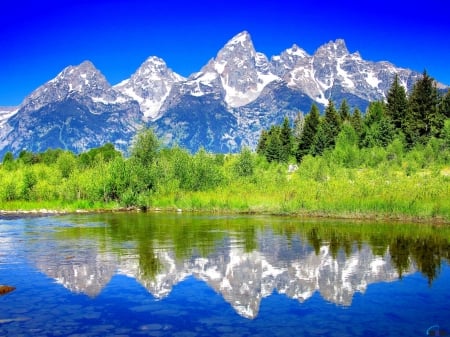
6,289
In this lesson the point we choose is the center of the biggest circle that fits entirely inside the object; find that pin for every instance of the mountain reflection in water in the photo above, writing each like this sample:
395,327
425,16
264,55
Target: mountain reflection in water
244,259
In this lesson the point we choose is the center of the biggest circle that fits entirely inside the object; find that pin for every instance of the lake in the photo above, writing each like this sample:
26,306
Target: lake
132,274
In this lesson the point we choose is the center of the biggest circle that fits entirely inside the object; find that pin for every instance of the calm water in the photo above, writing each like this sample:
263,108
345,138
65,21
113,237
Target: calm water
201,275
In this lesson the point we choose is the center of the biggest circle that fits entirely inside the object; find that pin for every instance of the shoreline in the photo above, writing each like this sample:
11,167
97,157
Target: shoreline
304,214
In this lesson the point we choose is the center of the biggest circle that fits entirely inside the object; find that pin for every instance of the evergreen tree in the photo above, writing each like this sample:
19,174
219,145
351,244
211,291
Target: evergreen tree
356,121
444,106
262,143
329,129
8,158
344,111
375,112
285,140
309,132
273,144
397,103
423,119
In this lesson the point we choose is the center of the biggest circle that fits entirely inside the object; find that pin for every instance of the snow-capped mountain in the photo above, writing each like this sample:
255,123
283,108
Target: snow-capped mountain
76,110
150,85
222,107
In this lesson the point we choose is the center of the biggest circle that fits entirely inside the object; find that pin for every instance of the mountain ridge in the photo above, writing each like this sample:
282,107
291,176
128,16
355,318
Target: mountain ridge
235,95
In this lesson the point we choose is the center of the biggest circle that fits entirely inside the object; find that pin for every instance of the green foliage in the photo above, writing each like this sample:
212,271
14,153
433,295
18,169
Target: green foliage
397,104
328,130
308,135
8,158
386,176
346,152
357,123
424,118
206,174
286,140
244,165
145,147
104,153
66,163
444,105
344,111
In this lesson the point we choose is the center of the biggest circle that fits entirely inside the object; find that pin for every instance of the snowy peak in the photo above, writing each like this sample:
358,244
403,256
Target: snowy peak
242,40
150,85
335,49
243,72
83,80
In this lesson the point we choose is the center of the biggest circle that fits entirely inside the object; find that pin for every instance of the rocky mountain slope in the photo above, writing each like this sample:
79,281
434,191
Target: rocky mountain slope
221,108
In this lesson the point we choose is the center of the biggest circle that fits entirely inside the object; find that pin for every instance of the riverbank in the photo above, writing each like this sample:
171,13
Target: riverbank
360,216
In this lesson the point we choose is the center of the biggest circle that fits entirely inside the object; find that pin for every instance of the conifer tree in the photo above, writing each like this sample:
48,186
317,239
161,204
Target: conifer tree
306,140
423,118
344,111
331,125
262,143
273,144
444,106
356,121
397,103
285,140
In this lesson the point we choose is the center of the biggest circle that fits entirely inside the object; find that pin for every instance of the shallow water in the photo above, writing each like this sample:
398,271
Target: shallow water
201,275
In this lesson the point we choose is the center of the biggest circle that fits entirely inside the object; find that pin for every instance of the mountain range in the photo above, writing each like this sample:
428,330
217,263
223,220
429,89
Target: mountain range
221,108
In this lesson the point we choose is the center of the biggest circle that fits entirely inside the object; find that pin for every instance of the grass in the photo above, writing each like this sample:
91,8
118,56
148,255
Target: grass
350,193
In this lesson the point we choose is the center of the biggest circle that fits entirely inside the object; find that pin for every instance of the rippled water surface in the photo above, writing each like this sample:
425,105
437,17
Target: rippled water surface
203,275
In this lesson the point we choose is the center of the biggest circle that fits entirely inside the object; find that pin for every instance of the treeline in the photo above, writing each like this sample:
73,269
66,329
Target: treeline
410,120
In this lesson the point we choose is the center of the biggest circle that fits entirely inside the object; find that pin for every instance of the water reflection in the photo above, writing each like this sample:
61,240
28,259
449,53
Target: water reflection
242,258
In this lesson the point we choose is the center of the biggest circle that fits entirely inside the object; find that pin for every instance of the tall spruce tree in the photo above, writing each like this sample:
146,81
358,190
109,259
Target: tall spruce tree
397,103
328,130
273,144
262,143
285,140
344,111
444,106
306,139
356,121
423,119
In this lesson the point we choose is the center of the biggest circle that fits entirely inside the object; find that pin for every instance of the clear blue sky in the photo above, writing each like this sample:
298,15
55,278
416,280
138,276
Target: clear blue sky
39,38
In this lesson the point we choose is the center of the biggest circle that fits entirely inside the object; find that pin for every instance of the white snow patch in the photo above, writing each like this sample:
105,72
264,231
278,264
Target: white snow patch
344,75
372,79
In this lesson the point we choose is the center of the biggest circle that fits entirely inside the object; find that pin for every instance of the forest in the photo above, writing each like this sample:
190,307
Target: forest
392,161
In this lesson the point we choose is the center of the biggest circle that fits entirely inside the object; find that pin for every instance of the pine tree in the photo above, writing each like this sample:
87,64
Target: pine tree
309,132
397,103
423,119
375,113
285,140
444,106
344,111
273,144
331,125
356,121
262,143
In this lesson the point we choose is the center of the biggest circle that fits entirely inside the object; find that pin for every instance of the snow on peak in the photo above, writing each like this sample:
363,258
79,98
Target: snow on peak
296,51
336,48
242,38
150,85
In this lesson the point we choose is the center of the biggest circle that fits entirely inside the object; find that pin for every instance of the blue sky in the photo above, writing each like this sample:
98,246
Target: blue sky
40,38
